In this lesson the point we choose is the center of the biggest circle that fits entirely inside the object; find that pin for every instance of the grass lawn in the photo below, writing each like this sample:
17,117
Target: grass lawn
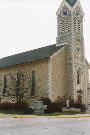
62,113
51,114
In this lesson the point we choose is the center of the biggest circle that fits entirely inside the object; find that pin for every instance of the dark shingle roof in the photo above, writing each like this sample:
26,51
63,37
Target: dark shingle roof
33,55
71,2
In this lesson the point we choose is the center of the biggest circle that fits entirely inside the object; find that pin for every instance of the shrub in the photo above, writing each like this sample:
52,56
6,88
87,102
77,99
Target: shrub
71,103
6,106
77,104
46,100
14,106
20,106
59,100
83,108
52,107
58,104
55,106
28,111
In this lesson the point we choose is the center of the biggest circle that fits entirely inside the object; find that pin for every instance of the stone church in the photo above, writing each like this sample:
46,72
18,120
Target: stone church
56,70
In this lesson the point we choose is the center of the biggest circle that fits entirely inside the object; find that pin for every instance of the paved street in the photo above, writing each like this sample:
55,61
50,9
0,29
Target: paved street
45,126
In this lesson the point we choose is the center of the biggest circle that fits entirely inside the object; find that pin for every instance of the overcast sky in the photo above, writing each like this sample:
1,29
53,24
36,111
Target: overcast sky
29,24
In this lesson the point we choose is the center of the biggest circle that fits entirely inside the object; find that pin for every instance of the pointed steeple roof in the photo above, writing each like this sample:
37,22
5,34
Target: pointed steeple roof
71,2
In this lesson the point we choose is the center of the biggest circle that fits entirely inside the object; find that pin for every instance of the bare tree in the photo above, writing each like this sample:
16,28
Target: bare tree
15,87
22,91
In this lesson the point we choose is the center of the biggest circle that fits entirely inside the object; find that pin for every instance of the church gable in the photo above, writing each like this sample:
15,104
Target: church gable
57,74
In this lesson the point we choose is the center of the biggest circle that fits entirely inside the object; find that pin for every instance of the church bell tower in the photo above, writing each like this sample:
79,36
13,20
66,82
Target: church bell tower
70,33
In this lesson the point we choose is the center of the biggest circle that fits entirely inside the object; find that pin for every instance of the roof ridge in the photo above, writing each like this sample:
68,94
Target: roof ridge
29,56
27,51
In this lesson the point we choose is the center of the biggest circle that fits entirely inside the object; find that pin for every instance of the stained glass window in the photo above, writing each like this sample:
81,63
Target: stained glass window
33,84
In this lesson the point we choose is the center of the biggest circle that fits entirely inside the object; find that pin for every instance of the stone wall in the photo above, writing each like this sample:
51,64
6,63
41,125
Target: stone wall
41,78
87,85
57,75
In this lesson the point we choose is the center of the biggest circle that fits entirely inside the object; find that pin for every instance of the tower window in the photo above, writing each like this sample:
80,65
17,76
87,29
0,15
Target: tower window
65,12
78,77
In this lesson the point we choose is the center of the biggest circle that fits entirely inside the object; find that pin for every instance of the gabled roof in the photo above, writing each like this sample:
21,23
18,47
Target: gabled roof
29,56
71,2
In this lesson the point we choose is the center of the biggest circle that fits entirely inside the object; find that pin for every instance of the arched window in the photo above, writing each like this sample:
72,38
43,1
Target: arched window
78,77
5,85
33,84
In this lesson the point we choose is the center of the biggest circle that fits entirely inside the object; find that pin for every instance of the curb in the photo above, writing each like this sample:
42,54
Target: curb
51,116
25,116
72,117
